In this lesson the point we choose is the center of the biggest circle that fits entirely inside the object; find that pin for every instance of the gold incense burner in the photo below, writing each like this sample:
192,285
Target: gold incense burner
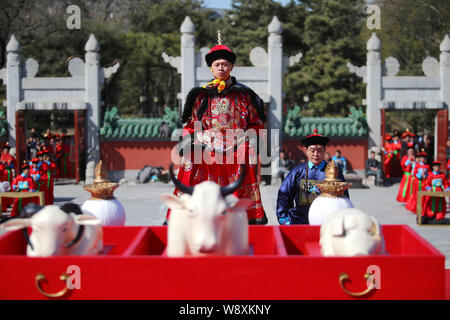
102,188
331,186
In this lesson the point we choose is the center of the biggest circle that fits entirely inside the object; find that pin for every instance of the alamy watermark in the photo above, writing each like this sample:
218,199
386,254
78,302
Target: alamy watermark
374,20
74,277
374,278
74,20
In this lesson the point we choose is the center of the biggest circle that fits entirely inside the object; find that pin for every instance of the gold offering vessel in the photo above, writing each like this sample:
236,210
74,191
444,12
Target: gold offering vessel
331,186
102,188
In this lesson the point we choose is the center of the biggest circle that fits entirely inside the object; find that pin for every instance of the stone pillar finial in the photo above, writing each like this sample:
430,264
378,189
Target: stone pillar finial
92,44
275,26
374,43
13,45
445,44
187,26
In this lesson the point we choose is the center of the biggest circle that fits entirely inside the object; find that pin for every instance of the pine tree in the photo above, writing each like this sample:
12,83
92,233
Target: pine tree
245,26
332,30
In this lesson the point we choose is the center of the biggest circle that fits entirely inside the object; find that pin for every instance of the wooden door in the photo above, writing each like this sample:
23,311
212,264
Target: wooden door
80,144
20,139
441,136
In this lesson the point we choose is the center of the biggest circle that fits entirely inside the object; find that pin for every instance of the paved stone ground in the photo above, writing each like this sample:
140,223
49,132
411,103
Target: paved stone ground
144,207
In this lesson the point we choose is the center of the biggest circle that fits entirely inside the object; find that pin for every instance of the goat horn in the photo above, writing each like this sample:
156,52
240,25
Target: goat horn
232,187
28,212
68,208
182,187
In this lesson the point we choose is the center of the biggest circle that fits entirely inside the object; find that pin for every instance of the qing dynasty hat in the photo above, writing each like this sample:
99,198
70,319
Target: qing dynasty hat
315,138
220,51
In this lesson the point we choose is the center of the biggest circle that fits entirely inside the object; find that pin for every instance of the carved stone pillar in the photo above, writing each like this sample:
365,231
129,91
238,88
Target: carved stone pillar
373,90
93,80
12,86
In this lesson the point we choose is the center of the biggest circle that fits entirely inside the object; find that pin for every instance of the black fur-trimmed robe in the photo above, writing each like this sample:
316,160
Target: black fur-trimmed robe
239,108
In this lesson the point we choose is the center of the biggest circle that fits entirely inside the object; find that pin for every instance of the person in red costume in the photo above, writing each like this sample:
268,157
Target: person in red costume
10,166
435,207
58,156
387,155
394,157
23,183
407,165
48,168
4,176
222,107
420,172
38,175
407,140
9,160
67,168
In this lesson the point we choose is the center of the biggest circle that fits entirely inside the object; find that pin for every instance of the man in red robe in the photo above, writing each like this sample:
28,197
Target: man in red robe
4,176
23,183
394,159
435,207
38,175
9,160
407,165
58,156
48,168
220,108
67,168
420,173
387,155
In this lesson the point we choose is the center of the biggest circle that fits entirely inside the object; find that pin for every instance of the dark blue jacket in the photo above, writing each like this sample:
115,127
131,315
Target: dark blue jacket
289,211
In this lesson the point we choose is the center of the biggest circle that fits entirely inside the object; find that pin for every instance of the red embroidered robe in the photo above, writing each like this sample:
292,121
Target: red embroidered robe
237,107
435,206
404,191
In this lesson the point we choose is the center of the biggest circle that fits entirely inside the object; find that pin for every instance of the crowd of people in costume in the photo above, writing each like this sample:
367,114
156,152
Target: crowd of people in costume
419,174
47,158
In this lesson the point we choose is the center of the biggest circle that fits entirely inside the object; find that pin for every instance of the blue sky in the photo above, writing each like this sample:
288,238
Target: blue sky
226,4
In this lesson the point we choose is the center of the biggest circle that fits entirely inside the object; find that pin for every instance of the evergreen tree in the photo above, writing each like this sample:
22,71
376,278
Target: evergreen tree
331,34
411,31
245,26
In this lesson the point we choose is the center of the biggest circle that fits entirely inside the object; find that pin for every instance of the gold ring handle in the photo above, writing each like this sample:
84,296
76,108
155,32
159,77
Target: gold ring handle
41,277
344,277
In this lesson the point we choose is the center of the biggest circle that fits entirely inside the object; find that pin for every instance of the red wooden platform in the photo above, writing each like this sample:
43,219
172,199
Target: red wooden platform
284,263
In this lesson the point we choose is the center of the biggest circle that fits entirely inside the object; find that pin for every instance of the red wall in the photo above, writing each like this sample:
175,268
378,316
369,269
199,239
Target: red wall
134,155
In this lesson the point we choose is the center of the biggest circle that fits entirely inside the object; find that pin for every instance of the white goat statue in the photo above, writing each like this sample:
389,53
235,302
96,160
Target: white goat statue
207,219
350,232
58,231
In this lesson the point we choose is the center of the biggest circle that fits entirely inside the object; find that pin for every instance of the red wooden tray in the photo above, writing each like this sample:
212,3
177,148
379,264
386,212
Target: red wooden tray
284,263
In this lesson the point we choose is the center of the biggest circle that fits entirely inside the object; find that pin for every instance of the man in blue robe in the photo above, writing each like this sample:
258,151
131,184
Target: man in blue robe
293,205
